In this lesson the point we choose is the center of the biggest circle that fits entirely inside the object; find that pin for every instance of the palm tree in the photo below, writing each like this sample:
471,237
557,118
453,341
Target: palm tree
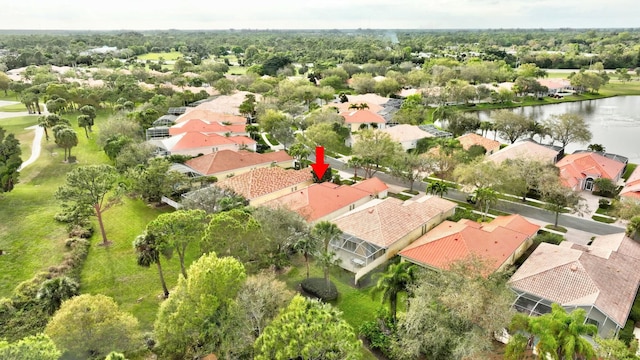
439,188
66,138
147,253
84,121
54,291
307,245
485,127
485,197
560,334
47,122
355,162
325,232
397,278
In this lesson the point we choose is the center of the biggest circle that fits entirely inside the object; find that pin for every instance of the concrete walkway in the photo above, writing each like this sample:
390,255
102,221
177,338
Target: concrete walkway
36,146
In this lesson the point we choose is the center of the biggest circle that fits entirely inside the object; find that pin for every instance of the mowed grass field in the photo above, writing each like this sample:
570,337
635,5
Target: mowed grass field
34,240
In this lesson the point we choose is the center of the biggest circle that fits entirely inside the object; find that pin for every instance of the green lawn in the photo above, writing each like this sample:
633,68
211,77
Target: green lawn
113,271
13,108
173,55
237,70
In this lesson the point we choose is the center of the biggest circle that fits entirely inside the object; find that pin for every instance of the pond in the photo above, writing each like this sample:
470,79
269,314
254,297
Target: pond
614,122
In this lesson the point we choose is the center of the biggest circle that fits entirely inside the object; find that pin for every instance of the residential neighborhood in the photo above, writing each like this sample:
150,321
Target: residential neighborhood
320,194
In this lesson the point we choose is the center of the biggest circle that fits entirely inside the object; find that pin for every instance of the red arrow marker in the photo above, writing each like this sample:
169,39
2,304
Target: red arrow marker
320,167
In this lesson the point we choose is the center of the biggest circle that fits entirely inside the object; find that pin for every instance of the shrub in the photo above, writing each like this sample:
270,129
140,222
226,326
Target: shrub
379,332
318,287
604,203
462,213
626,334
548,237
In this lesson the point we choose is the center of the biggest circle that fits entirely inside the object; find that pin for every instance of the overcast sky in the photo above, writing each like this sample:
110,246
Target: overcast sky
316,14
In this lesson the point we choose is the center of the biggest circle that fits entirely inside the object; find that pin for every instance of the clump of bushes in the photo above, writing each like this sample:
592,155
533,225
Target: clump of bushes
547,237
318,287
462,213
379,332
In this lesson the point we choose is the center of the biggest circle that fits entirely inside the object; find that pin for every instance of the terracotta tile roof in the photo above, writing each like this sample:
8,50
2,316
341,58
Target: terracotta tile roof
194,140
344,107
372,186
205,126
362,117
631,187
226,104
383,222
226,160
555,84
263,181
605,274
450,242
524,149
468,140
210,115
319,200
578,166
404,132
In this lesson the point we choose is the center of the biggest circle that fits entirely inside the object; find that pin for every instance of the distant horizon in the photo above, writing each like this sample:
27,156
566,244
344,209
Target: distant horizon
201,15
320,29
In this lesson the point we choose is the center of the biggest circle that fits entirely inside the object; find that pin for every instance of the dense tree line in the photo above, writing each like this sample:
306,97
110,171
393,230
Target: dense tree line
557,48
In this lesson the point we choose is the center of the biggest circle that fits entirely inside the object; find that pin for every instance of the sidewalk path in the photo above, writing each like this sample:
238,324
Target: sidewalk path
36,146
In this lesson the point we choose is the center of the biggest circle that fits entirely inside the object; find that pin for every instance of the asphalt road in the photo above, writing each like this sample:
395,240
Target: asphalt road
565,220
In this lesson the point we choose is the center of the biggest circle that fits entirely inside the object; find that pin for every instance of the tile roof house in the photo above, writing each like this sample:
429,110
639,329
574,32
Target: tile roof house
527,149
196,143
326,201
602,278
210,115
356,119
207,127
227,162
500,243
264,184
468,140
407,135
376,231
579,170
631,189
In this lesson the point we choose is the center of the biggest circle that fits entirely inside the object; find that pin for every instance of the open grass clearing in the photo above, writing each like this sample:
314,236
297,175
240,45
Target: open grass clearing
13,108
113,271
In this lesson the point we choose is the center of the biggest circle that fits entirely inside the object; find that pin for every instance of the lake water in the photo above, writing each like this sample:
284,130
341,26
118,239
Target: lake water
614,122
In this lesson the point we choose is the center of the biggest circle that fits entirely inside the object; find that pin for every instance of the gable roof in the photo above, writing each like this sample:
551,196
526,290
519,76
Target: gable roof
470,139
205,126
580,165
383,222
196,140
372,185
362,117
525,149
210,115
227,104
319,200
263,181
450,242
605,274
225,160
405,132
631,187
